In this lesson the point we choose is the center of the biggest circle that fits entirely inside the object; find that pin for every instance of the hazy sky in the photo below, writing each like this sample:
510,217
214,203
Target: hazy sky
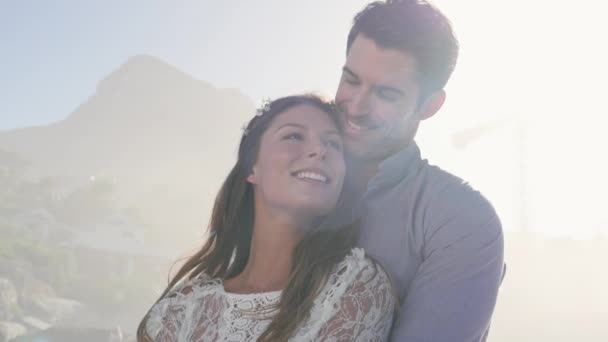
539,65
54,52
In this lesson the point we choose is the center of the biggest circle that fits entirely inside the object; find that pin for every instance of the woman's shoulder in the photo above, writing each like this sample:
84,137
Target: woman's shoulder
358,265
178,304
354,272
358,287
195,286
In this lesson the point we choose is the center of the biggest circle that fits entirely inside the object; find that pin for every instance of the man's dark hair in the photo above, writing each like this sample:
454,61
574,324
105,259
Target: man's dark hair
415,27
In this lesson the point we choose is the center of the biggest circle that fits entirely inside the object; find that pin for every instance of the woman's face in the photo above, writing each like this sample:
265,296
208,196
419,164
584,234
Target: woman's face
300,164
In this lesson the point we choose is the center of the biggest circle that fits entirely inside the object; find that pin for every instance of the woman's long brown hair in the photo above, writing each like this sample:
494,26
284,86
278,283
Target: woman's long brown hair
226,251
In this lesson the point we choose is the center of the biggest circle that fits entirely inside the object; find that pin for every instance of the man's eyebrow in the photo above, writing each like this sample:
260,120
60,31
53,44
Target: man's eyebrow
351,73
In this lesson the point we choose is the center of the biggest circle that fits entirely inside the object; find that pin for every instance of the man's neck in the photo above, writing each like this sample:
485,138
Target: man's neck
362,172
365,170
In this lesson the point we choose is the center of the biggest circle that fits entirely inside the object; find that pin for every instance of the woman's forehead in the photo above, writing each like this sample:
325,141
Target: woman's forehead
304,116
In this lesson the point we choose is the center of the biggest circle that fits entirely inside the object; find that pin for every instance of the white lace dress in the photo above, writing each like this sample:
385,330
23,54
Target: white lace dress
356,305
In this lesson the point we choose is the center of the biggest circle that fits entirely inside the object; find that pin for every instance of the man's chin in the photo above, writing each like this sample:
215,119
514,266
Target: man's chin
359,150
366,151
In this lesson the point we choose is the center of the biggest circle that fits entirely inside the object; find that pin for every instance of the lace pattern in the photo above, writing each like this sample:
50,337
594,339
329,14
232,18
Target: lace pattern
356,304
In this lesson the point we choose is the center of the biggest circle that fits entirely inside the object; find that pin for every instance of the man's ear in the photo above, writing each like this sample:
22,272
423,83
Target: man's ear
431,104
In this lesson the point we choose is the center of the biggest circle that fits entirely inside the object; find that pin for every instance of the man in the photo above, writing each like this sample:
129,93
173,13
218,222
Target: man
440,240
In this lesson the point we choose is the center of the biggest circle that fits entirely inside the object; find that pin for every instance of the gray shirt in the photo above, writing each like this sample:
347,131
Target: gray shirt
442,244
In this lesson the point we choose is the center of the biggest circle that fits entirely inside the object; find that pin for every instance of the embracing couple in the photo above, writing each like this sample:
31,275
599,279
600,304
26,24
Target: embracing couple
331,227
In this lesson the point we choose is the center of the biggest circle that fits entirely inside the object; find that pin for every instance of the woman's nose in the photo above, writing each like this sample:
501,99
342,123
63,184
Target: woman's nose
318,150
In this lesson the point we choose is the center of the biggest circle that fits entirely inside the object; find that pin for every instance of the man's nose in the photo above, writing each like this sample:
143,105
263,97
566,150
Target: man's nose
359,104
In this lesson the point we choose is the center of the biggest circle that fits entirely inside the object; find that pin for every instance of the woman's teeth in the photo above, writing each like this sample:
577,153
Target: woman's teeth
312,175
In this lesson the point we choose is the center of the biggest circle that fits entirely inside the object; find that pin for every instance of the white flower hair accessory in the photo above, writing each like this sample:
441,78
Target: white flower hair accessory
263,109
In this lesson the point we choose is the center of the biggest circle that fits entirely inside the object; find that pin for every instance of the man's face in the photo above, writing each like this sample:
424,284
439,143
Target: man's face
378,99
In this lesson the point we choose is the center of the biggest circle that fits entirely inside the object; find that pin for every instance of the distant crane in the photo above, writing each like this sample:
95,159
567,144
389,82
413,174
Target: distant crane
463,138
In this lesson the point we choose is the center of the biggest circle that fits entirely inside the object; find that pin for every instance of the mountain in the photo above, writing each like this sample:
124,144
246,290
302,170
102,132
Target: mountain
163,138
145,118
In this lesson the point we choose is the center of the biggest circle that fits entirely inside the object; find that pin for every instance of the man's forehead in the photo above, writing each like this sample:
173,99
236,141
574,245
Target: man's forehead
369,61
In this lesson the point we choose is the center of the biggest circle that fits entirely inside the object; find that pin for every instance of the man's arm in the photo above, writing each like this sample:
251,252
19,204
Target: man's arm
453,294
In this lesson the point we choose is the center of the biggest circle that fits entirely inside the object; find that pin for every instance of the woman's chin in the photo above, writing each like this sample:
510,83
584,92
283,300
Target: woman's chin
313,211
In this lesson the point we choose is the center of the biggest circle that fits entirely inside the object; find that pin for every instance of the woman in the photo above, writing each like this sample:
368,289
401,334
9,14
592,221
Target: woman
276,267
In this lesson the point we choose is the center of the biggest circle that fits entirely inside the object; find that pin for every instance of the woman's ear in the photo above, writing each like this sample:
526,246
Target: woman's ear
252,176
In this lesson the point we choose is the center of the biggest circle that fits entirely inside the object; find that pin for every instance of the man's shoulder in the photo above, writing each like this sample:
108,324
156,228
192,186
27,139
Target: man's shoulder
436,179
431,181
447,195
451,212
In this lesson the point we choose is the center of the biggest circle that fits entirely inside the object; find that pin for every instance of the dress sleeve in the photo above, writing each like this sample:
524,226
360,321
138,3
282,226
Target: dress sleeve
166,317
364,312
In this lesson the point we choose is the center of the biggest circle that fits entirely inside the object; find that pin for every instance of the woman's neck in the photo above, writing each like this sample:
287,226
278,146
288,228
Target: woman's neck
270,258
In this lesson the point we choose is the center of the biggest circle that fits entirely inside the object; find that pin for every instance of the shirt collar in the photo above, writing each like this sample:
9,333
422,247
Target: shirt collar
395,168
390,172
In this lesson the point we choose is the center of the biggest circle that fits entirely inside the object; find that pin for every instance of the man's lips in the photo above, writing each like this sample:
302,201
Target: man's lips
358,128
